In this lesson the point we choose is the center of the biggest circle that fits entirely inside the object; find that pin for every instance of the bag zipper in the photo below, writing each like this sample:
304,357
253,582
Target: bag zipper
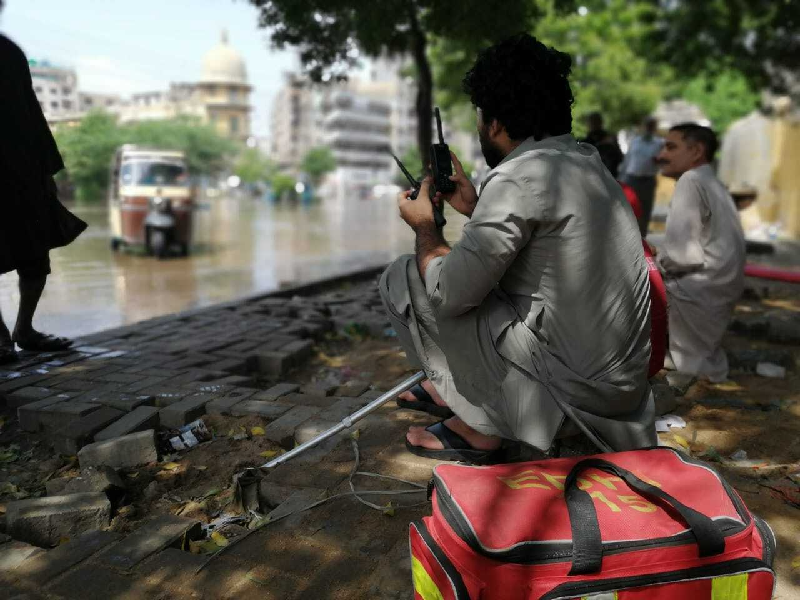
767,539
586,588
457,583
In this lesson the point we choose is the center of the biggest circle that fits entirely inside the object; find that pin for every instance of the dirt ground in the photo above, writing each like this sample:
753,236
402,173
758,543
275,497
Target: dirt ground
750,413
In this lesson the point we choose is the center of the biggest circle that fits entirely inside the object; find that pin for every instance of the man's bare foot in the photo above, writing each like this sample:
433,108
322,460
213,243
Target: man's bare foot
428,387
418,436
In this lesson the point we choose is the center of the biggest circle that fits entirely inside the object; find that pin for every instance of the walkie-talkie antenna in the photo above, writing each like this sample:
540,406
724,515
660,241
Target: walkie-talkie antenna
438,124
408,175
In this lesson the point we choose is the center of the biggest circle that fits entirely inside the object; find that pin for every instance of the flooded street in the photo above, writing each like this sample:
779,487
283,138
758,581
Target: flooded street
254,247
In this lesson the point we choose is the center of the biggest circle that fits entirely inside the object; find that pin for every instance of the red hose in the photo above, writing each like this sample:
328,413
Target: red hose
786,275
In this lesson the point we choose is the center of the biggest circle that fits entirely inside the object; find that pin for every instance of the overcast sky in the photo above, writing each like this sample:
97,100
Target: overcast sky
130,46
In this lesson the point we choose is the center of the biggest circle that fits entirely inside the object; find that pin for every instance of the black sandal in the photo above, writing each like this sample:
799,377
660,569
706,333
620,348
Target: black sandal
42,342
456,448
8,355
424,403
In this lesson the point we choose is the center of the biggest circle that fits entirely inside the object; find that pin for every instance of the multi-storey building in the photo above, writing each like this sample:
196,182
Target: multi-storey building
56,88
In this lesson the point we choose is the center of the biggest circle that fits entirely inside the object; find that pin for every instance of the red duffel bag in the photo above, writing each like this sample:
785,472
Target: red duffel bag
649,524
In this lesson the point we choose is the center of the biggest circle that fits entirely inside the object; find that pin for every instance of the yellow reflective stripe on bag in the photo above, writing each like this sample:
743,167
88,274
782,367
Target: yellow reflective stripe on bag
423,584
731,587
603,596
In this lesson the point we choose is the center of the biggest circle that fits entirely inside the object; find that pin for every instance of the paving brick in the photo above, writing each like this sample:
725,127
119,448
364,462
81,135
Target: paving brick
262,408
139,419
126,378
276,391
183,412
59,415
299,350
282,428
44,521
222,405
79,433
130,450
309,400
230,365
46,565
319,388
237,381
142,385
28,414
351,389
155,535
208,387
28,395
76,385
10,384
166,396
15,553
343,408
273,363
95,479
55,486
191,376
125,402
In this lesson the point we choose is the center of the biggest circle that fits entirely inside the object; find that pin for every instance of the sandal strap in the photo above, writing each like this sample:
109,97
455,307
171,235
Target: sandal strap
449,438
421,394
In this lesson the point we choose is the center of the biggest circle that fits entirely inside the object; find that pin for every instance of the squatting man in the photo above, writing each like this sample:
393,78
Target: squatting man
537,322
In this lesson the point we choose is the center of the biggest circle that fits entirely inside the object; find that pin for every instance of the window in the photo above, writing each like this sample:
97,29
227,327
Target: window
54,91
66,103
87,101
66,91
234,124
38,89
233,95
54,105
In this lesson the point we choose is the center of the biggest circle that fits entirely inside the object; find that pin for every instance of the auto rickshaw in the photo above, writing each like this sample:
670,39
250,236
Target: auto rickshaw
150,200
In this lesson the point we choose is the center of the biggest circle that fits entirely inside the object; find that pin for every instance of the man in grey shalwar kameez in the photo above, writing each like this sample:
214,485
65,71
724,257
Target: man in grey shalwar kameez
539,316
703,254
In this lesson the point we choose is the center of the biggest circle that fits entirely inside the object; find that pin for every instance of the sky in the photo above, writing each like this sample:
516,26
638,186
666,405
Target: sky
125,46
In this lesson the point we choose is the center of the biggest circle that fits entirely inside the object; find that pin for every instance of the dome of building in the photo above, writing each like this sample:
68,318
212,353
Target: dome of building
223,64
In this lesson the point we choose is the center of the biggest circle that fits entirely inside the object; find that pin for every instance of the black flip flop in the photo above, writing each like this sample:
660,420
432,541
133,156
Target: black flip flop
456,448
42,342
424,403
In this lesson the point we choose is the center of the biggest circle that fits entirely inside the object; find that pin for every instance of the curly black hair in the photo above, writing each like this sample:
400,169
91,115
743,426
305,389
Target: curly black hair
524,85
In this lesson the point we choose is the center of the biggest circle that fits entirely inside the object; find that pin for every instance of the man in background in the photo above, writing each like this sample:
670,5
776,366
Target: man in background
703,253
639,169
605,142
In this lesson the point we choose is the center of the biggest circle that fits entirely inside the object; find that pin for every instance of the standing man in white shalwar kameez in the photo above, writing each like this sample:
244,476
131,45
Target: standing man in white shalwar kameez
538,319
703,254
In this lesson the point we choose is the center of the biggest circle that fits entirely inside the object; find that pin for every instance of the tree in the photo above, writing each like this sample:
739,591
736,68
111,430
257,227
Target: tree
756,37
252,166
207,152
723,97
413,163
87,151
331,33
88,148
317,162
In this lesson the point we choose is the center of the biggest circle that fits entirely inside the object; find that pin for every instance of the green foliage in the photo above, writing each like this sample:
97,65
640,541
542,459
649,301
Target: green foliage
723,97
317,162
252,166
331,34
282,184
88,148
758,38
207,152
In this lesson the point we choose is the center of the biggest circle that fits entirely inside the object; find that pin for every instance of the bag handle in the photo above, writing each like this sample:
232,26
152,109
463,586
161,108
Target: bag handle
587,544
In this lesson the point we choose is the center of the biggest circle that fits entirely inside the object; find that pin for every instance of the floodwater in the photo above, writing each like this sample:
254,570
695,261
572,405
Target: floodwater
253,246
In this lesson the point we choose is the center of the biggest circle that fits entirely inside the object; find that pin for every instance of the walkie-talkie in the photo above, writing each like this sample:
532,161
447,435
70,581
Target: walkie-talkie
438,216
441,167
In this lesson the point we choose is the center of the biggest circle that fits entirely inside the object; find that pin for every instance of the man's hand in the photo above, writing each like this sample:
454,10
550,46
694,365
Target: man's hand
417,213
465,197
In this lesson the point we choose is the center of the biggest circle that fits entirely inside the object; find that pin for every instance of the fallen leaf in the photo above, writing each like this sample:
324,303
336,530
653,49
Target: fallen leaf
728,386
796,562
200,467
219,539
270,453
62,540
257,431
211,493
170,466
681,440
389,510
356,434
